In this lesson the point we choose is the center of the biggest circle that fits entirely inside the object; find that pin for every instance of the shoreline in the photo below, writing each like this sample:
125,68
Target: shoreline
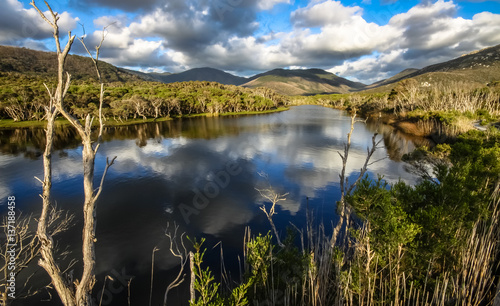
427,125
8,124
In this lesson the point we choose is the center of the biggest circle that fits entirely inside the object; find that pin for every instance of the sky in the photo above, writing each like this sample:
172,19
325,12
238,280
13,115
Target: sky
363,40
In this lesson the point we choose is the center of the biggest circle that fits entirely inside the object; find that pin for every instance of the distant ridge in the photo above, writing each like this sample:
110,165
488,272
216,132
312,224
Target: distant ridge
477,68
303,82
200,74
147,76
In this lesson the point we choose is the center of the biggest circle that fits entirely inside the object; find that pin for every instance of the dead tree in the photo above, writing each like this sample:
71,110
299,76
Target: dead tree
343,209
77,292
272,196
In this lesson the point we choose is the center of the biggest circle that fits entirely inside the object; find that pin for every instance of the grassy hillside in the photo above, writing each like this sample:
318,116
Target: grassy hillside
303,82
403,74
44,64
478,69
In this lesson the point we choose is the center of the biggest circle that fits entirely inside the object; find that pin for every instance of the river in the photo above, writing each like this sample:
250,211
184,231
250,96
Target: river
203,175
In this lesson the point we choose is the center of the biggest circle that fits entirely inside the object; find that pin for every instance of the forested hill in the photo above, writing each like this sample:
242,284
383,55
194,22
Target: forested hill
44,64
201,74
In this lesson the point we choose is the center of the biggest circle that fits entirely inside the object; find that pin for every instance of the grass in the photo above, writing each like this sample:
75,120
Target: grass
279,109
11,124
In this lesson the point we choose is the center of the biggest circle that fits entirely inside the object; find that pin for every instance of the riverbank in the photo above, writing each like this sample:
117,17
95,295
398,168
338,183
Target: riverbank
439,126
62,122
441,112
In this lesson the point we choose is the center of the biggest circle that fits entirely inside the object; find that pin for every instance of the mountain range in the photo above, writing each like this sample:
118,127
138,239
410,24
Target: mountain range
477,68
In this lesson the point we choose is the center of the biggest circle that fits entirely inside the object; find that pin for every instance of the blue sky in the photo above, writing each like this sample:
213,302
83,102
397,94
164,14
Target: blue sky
364,40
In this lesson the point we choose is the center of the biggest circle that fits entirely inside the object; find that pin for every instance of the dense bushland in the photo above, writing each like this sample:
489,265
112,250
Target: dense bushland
24,97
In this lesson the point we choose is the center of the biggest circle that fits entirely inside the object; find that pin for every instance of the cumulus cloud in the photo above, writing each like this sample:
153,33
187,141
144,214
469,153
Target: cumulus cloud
126,5
427,34
20,26
319,14
176,35
269,4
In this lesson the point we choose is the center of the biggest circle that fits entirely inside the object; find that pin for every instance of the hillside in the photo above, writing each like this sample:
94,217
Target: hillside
394,78
302,82
477,69
40,63
200,74
147,76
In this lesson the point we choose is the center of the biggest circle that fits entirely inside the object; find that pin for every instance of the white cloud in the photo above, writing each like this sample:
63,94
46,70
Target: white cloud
425,35
319,14
326,34
269,4
372,68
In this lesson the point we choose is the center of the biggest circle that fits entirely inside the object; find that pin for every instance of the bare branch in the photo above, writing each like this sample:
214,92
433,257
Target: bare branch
177,252
273,197
108,164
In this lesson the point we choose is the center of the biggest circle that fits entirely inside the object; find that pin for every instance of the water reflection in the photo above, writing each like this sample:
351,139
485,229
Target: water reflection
200,173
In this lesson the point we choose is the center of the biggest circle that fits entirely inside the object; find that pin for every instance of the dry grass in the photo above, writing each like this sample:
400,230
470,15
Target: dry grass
458,97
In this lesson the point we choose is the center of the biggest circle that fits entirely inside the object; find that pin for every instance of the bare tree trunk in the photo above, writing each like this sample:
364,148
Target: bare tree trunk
344,210
47,244
65,290
192,297
341,209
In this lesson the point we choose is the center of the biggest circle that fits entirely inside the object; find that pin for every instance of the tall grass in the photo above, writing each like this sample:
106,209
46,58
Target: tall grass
355,274
408,95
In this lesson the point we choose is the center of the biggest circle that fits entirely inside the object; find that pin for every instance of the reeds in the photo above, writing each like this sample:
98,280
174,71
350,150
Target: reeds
455,97
356,275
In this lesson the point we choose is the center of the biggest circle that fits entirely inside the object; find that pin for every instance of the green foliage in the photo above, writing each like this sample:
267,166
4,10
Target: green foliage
208,288
23,98
204,283
259,258
427,221
390,225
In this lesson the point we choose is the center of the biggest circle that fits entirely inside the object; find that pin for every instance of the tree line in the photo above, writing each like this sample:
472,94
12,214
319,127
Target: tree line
23,98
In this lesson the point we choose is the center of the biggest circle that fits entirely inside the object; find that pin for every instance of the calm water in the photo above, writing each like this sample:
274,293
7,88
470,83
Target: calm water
200,173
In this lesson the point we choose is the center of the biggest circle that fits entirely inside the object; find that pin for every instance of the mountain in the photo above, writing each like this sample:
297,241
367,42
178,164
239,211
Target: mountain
200,74
147,76
477,68
44,64
394,78
303,82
